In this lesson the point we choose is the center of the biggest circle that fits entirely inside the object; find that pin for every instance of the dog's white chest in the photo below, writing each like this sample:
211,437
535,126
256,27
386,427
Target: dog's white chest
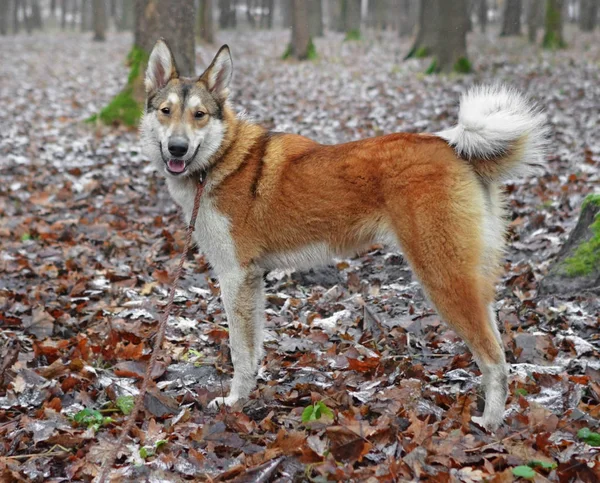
212,230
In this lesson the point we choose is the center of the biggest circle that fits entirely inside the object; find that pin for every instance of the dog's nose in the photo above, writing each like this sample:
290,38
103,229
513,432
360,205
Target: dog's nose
178,147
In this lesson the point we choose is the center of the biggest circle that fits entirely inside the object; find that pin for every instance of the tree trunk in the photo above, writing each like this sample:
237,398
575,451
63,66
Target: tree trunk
87,19
26,17
125,17
227,17
174,21
409,11
534,19
511,21
266,19
75,11
482,15
443,35
36,15
4,12
315,18
553,33
351,11
577,265
15,16
99,13
588,15
301,45
204,27
336,15
429,20
63,14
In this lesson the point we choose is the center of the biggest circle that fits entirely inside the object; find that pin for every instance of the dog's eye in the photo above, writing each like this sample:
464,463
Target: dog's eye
165,110
199,115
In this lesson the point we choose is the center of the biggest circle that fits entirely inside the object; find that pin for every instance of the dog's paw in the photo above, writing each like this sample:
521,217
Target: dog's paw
490,424
223,401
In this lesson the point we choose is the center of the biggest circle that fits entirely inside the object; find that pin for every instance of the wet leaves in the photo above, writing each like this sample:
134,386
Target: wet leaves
362,380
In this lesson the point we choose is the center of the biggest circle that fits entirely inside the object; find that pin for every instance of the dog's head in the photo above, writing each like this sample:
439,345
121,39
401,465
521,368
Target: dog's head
183,124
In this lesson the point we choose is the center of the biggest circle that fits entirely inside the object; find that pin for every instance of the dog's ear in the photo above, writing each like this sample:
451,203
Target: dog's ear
161,67
219,73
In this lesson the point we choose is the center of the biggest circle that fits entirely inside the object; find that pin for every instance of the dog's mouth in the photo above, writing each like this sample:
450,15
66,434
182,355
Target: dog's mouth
176,166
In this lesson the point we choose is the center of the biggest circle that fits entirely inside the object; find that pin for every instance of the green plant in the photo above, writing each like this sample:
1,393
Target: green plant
91,418
316,411
588,436
125,404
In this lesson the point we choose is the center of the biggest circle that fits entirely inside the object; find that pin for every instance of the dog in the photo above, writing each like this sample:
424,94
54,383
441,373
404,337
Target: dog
274,200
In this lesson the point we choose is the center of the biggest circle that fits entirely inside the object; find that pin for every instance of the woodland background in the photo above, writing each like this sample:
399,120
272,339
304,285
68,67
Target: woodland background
362,381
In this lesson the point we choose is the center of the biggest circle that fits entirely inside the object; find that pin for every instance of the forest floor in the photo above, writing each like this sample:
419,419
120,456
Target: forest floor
90,238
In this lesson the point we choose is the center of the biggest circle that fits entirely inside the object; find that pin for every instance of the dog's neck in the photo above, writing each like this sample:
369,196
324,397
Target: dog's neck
233,150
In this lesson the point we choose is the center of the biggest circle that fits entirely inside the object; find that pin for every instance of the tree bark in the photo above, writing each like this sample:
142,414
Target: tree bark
534,19
99,14
409,12
301,43
588,15
351,10
553,33
227,14
125,17
36,15
511,21
204,21
442,34
315,18
4,12
482,15
336,15
266,19
429,20
174,21
63,14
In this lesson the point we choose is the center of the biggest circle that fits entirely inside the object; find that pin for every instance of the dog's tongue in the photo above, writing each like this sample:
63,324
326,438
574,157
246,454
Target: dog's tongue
176,165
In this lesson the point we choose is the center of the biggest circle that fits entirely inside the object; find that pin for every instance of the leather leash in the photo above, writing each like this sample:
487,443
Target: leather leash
156,348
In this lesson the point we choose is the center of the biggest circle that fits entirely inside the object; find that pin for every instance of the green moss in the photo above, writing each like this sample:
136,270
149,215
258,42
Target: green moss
433,67
311,53
124,109
586,258
553,38
352,35
421,53
463,66
593,199
288,52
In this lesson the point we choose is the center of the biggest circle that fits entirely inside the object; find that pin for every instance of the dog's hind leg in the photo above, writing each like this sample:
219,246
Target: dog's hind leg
242,294
443,242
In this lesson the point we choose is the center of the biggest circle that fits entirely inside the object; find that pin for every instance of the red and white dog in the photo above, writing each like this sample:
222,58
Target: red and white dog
274,200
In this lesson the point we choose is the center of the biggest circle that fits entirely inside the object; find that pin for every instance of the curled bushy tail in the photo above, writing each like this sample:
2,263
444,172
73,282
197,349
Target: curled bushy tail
499,132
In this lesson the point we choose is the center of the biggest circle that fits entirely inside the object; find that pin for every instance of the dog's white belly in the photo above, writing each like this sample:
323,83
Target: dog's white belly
309,256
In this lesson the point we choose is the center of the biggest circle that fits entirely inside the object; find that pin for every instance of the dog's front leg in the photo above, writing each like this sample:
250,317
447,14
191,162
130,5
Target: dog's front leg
242,295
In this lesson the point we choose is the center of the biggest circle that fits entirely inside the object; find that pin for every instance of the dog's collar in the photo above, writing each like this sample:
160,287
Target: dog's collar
200,177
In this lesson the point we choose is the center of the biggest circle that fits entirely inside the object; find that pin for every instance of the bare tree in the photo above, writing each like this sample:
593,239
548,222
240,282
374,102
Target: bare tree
4,12
16,25
427,35
315,18
36,15
553,32
266,19
125,15
482,15
409,12
443,35
511,21
588,15
204,21
227,16
534,19
99,14
63,14
301,46
174,21
351,10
